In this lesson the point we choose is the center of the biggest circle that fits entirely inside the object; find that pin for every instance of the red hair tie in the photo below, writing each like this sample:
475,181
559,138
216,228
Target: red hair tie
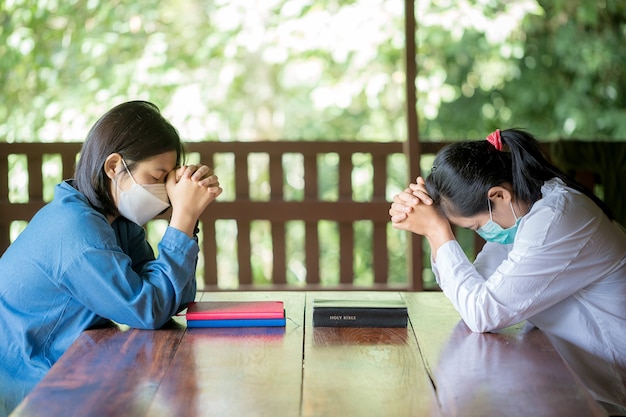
495,139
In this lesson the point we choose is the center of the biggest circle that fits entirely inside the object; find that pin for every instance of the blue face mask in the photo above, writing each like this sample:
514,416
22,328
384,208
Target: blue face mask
493,232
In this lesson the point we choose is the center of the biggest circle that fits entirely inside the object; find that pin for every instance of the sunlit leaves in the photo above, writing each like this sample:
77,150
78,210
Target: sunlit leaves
325,69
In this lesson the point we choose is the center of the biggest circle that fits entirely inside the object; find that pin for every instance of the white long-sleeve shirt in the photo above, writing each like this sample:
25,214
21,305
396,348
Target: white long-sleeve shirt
565,273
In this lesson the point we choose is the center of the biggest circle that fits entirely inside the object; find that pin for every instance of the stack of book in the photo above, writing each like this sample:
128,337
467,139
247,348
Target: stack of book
236,314
359,313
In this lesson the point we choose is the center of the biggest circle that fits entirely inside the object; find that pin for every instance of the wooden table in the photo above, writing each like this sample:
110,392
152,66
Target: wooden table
434,367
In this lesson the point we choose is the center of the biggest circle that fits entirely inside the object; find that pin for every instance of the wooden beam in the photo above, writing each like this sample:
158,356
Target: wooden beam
412,149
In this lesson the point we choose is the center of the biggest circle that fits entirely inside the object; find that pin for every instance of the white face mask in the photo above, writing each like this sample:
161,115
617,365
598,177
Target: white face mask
143,201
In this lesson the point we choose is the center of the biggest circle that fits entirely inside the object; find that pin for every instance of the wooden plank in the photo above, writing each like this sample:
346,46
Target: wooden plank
341,211
310,177
346,231
4,177
35,180
360,371
511,372
237,372
345,176
308,211
276,176
244,252
379,178
20,211
312,253
301,147
346,253
5,219
38,147
242,182
68,159
311,235
277,180
209,251
380,253
109,370
279,253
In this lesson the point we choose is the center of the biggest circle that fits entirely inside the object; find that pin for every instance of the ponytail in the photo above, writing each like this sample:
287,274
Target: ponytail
463,172
530,170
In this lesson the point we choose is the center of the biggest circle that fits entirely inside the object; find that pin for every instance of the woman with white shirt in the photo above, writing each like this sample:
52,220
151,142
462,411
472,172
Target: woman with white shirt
554,256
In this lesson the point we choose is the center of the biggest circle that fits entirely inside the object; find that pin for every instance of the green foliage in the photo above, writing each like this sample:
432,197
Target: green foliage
322,70
223,70
311,70
59,59
559,73
577,56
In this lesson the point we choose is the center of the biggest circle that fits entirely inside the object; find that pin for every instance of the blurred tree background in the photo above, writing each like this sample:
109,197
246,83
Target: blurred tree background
314,69
245,70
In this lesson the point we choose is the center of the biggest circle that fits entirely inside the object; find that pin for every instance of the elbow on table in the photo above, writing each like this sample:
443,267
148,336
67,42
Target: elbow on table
479,328
484,324
484,315
154,324
146,323
152,317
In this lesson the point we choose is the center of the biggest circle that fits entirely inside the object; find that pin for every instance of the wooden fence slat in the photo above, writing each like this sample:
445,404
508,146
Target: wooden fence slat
35,180
279,269
68,160
244,253
345,176
312,253
380,262
4,177
379,173
242,187
209,252
5,221
346,252
380,256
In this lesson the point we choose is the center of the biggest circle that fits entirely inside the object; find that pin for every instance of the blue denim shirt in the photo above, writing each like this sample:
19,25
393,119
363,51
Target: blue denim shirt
70,270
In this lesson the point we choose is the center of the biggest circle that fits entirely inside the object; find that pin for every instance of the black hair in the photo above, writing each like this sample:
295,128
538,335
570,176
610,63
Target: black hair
463,173
137,131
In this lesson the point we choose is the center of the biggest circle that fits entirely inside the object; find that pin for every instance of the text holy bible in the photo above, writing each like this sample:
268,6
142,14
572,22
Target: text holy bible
359,313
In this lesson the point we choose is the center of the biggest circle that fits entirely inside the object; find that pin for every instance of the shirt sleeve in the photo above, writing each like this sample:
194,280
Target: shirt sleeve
103,279
490,258
542,268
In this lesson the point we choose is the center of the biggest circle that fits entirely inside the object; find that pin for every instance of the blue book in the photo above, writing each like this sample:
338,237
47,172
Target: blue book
237,323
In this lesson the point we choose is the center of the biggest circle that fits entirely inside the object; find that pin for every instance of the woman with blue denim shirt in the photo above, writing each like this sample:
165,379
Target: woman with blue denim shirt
554,256
83,260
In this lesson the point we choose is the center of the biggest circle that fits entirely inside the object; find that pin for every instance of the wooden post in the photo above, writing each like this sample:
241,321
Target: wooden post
412,149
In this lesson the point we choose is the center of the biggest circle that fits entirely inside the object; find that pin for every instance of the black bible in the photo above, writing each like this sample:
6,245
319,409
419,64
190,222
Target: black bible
359,313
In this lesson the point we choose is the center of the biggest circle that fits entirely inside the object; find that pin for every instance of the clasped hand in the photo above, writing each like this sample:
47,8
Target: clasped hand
190,188
413,210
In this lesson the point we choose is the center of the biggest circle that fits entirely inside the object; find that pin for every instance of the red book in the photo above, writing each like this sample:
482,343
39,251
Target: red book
235,310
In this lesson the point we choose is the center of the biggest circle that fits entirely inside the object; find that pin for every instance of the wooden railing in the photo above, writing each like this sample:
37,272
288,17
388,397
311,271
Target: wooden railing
245,207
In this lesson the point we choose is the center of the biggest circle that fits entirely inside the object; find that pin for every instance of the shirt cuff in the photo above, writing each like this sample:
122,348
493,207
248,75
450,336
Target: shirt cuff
178,241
